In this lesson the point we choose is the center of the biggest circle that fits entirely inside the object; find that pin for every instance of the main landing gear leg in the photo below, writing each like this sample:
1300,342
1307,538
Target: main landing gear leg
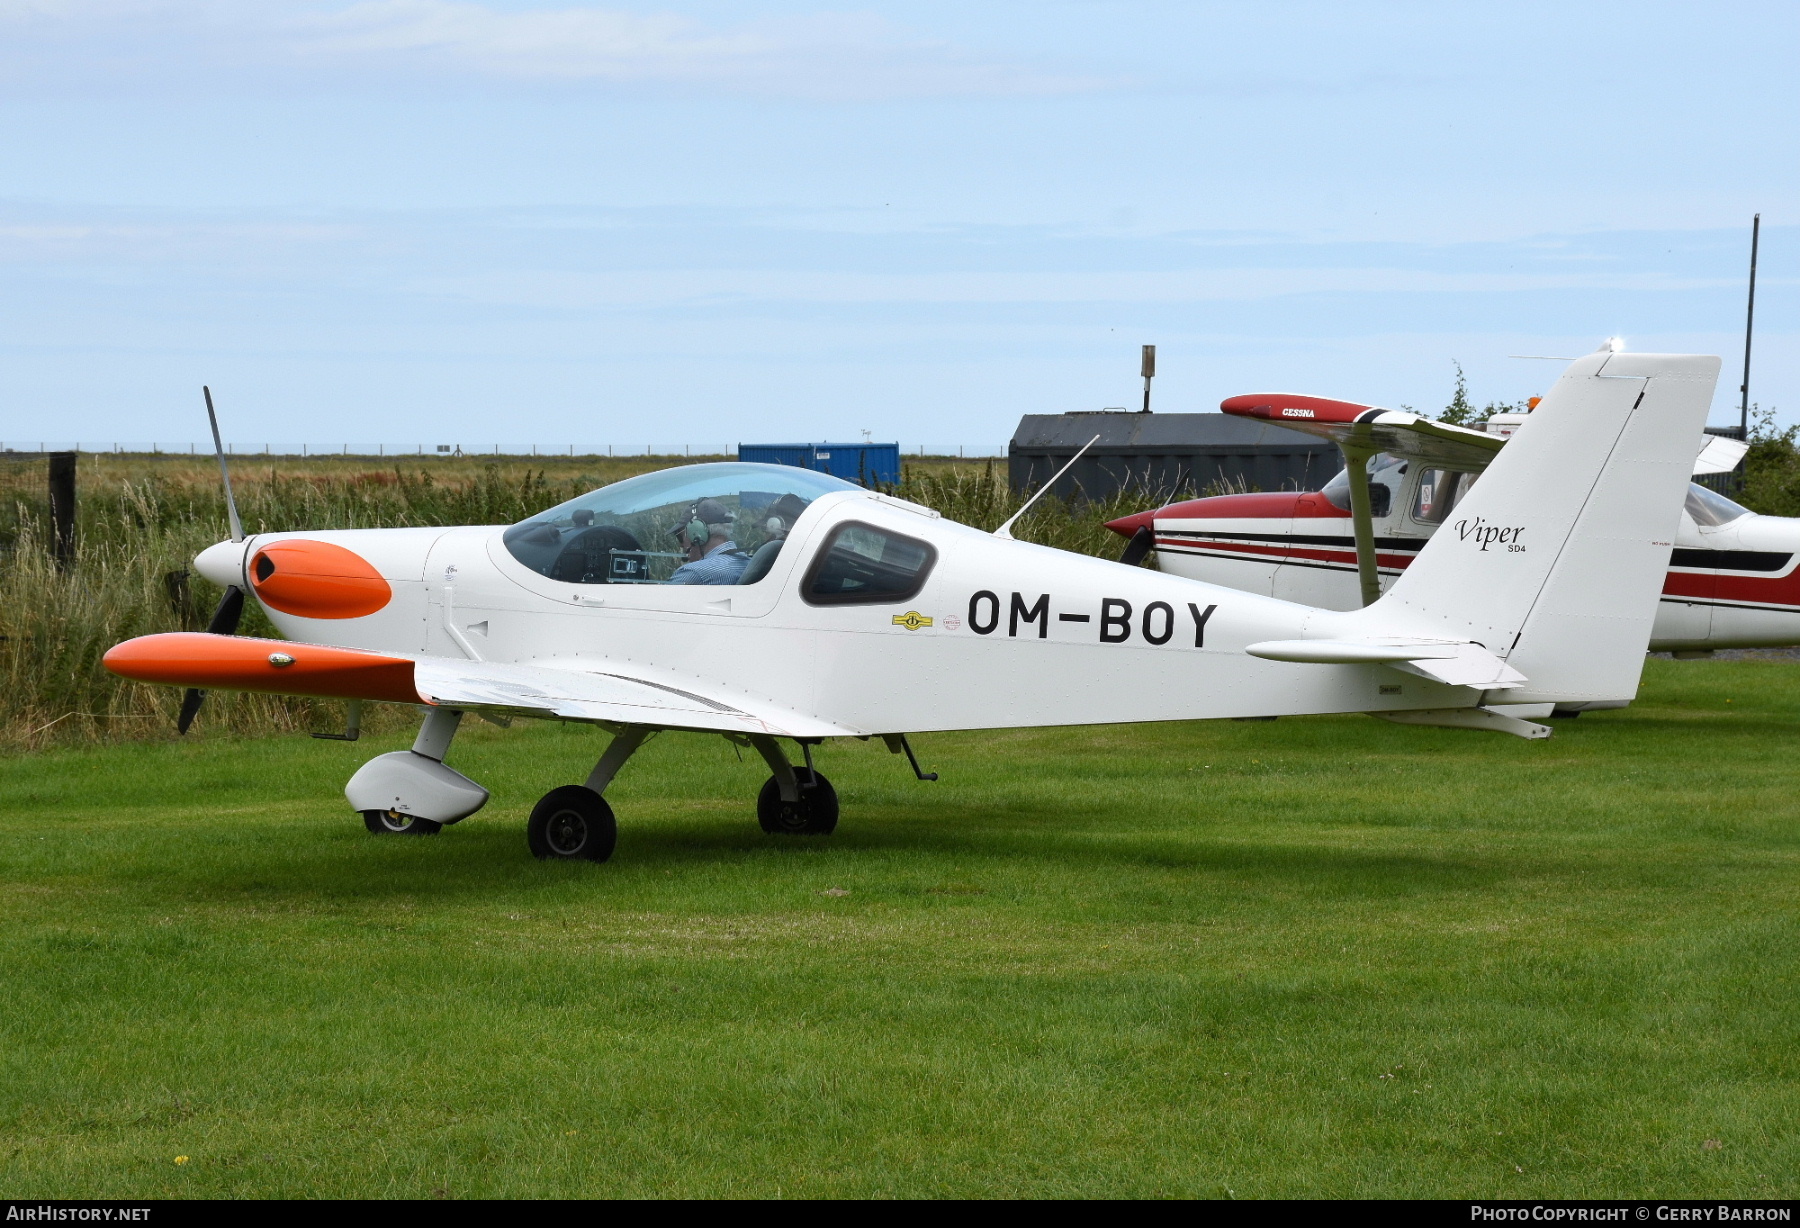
574,822
794,801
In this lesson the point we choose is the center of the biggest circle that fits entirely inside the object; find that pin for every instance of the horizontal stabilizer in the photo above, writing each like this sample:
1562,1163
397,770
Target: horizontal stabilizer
1463,664
1472,666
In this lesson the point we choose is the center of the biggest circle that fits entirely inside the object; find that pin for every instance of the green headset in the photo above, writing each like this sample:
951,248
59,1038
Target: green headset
696,532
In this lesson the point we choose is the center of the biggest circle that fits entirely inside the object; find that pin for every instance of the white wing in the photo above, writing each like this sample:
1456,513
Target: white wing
607,697
1719,454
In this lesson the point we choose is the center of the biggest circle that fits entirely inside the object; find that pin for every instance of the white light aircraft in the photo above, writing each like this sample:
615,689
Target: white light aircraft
827,611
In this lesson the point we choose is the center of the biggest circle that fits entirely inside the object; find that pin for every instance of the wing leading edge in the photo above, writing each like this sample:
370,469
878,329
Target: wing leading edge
561,692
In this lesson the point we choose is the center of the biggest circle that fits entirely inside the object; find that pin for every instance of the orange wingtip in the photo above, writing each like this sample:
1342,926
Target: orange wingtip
276,667
317,580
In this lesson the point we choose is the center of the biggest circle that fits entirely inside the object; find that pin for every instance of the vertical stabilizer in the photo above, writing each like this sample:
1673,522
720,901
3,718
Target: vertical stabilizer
1555,560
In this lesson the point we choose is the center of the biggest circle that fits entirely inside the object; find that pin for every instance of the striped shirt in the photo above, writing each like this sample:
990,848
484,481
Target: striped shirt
720,566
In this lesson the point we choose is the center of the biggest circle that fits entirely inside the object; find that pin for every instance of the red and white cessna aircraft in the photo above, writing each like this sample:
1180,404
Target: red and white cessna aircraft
1733,576
851,614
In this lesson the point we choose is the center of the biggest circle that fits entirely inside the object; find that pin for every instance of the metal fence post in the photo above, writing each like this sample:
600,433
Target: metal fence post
62,508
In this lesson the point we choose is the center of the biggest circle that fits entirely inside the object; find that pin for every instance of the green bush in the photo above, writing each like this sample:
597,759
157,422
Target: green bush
1771,473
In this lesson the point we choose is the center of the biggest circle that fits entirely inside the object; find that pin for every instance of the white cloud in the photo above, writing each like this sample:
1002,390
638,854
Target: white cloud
569,43
820,56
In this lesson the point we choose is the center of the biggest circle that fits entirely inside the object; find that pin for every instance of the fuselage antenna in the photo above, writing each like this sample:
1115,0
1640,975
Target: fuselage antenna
1004,532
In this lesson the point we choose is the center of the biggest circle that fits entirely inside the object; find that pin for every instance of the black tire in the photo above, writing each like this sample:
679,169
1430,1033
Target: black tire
572,823
815,814
393,823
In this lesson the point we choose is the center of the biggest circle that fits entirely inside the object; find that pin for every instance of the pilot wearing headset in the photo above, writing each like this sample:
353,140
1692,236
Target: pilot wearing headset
713,558
781,516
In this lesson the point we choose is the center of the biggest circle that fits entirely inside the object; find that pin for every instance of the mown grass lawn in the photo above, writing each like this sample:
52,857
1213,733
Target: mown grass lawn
1316,957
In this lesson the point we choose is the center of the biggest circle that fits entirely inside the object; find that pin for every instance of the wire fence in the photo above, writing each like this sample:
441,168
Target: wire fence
385,450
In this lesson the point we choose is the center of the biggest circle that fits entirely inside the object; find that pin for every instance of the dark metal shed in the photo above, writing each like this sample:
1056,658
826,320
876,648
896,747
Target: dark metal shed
1166,455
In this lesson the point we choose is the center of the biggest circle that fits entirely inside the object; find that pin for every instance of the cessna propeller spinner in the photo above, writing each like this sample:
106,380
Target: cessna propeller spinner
827,611
1733,578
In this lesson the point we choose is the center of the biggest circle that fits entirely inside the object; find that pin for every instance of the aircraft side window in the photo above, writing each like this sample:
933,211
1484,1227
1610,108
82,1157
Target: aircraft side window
863,565
1432,502
1440,490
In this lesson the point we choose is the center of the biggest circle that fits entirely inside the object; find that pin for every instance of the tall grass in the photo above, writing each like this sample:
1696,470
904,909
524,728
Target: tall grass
141,522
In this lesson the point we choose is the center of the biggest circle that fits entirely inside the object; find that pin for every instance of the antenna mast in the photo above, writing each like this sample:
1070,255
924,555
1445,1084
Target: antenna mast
1749,324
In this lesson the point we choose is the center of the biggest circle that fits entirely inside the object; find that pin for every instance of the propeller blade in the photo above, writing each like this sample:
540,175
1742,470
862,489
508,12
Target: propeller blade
225,621
237,526
190,707
1141,544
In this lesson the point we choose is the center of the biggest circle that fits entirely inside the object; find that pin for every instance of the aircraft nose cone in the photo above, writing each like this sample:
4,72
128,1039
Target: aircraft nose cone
222,564
1127,526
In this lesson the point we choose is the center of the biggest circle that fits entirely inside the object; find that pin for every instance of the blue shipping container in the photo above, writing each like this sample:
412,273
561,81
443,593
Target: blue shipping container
867,463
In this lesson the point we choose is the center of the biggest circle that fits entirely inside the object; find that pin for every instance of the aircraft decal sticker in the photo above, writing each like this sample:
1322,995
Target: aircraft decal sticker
912,620
1156,622
1489,534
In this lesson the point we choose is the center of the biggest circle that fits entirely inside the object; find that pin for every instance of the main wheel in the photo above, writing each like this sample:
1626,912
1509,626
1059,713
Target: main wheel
393,823
572,823
815,814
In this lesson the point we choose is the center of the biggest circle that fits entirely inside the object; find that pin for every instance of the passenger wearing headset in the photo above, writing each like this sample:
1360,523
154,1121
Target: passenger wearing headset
713,558
781,516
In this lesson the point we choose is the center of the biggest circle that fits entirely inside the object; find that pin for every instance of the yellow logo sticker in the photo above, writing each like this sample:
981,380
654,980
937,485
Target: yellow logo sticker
912,620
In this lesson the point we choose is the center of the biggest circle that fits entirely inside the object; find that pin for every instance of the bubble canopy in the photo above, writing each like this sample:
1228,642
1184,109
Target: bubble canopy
633,532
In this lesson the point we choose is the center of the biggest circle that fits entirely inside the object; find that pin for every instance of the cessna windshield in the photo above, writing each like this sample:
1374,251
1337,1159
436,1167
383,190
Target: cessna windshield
1384,480
694,524
1711,509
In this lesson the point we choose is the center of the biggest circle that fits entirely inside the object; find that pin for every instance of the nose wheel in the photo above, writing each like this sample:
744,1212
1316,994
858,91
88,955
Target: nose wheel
813,813
572,823
393,823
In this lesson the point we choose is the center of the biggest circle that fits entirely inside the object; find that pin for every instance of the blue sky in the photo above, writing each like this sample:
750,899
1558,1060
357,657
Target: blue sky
414,221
